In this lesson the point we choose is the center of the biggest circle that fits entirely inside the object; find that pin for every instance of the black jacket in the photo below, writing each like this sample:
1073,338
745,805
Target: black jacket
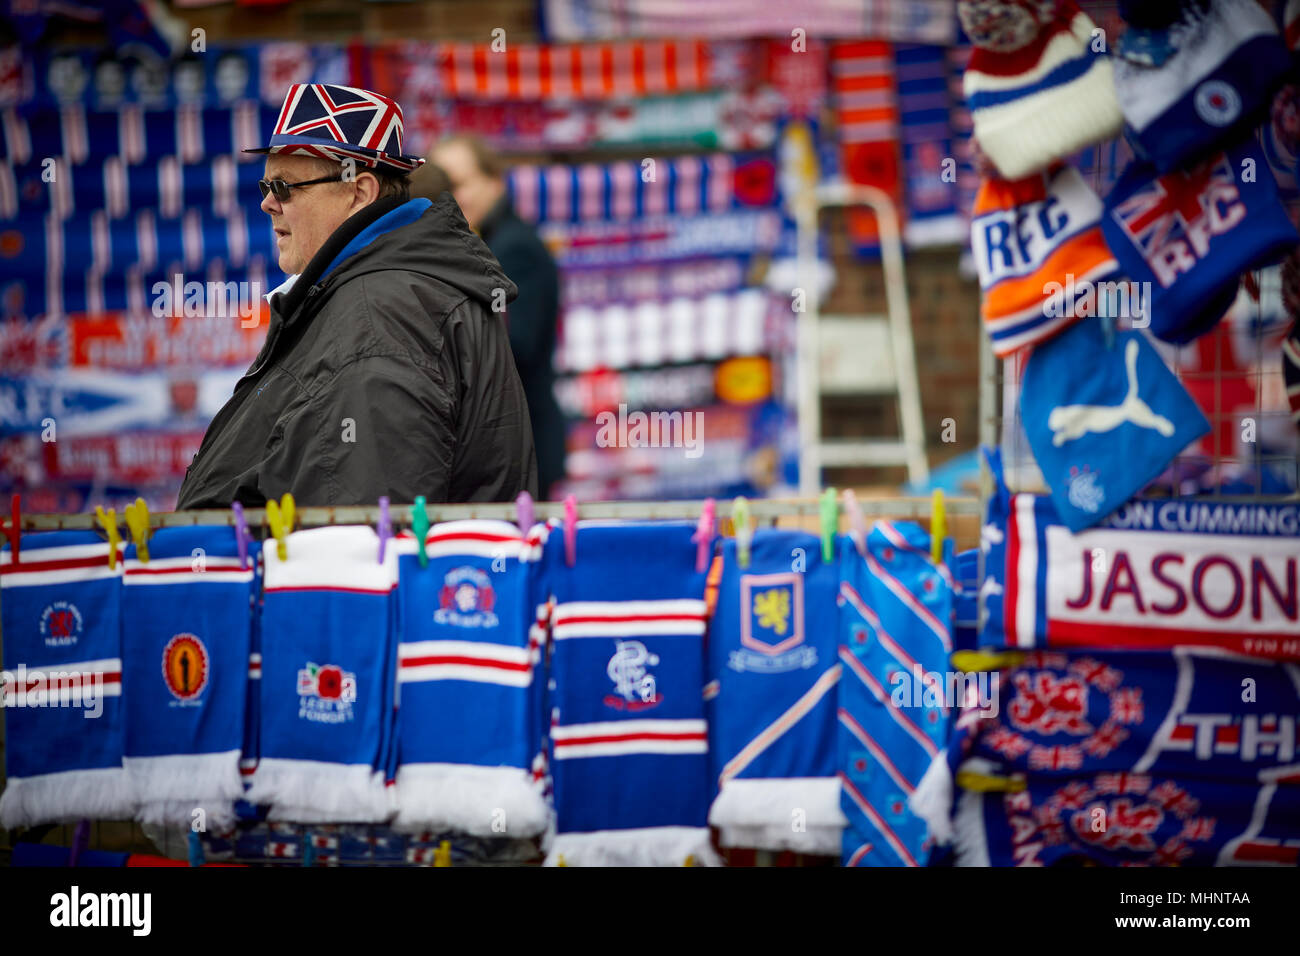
385,371
532,319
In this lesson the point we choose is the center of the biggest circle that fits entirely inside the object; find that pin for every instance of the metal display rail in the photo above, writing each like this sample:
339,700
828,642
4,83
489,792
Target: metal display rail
761,510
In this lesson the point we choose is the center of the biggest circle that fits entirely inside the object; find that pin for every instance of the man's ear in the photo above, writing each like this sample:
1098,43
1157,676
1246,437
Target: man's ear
367,190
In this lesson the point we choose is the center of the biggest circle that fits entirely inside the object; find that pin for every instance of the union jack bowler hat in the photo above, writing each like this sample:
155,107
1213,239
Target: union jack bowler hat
339,123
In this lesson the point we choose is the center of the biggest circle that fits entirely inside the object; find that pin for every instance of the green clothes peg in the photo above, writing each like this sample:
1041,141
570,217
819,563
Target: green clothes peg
420,527
830,514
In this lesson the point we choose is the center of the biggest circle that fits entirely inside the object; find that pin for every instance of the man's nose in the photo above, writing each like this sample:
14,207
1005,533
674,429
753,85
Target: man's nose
270,205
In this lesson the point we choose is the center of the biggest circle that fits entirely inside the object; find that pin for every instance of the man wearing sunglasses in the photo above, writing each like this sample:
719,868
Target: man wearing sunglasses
387,367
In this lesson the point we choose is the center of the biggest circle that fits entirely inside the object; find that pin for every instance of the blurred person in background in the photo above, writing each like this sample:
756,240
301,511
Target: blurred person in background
478,182
385,370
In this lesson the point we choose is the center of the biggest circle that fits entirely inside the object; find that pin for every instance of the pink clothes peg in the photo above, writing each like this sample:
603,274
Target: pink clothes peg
570,530
703,536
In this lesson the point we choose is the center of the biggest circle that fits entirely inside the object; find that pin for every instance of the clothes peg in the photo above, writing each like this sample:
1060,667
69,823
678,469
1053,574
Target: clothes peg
420,528
703,536
280,518
857,522
830,519
242,537
524,511
560,861
108,521
570,530
938,526
195,849
385,526
14,530
137,523
287,510
690,860
744,531
80,835
442,855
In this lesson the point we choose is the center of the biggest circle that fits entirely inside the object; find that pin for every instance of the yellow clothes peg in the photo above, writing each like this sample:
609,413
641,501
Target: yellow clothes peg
971,661
741,528
989,783
280,518
137,522
690,860
108,521
938,526
442,855
560,861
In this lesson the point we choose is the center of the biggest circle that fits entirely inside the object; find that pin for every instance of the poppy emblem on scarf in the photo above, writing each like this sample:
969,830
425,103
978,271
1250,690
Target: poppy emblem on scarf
185,667
61,624
326,693
466,599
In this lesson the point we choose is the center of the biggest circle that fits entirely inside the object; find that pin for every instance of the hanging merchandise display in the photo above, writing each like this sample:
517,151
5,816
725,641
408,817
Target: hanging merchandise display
1127,759
1039,251
1199,84
1153,575
329,655
772,690
63,680
186,639
1103,420
1039,85
1188,235
470,677
628,738
895,705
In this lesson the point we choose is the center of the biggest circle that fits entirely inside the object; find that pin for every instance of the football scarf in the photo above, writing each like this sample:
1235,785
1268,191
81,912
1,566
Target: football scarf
185,647
1103,422
772,677
1189,713
866,101
930,175
1146,819
680,186
470,678
1153,575
895,614
1188,235
328,681
628,744
62,681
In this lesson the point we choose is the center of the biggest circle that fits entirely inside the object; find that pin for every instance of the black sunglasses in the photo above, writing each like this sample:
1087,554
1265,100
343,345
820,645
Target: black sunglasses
281,188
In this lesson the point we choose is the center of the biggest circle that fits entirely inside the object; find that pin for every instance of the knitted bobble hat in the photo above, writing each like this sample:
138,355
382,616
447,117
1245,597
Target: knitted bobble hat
1201,83
1038,87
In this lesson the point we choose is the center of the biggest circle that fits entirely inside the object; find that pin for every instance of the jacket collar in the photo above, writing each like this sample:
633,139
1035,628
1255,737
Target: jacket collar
339,246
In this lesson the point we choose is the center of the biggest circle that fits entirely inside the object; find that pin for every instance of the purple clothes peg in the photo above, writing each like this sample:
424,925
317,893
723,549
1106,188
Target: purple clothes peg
80,837
703,537
385,526
524,511
242,537
570,530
